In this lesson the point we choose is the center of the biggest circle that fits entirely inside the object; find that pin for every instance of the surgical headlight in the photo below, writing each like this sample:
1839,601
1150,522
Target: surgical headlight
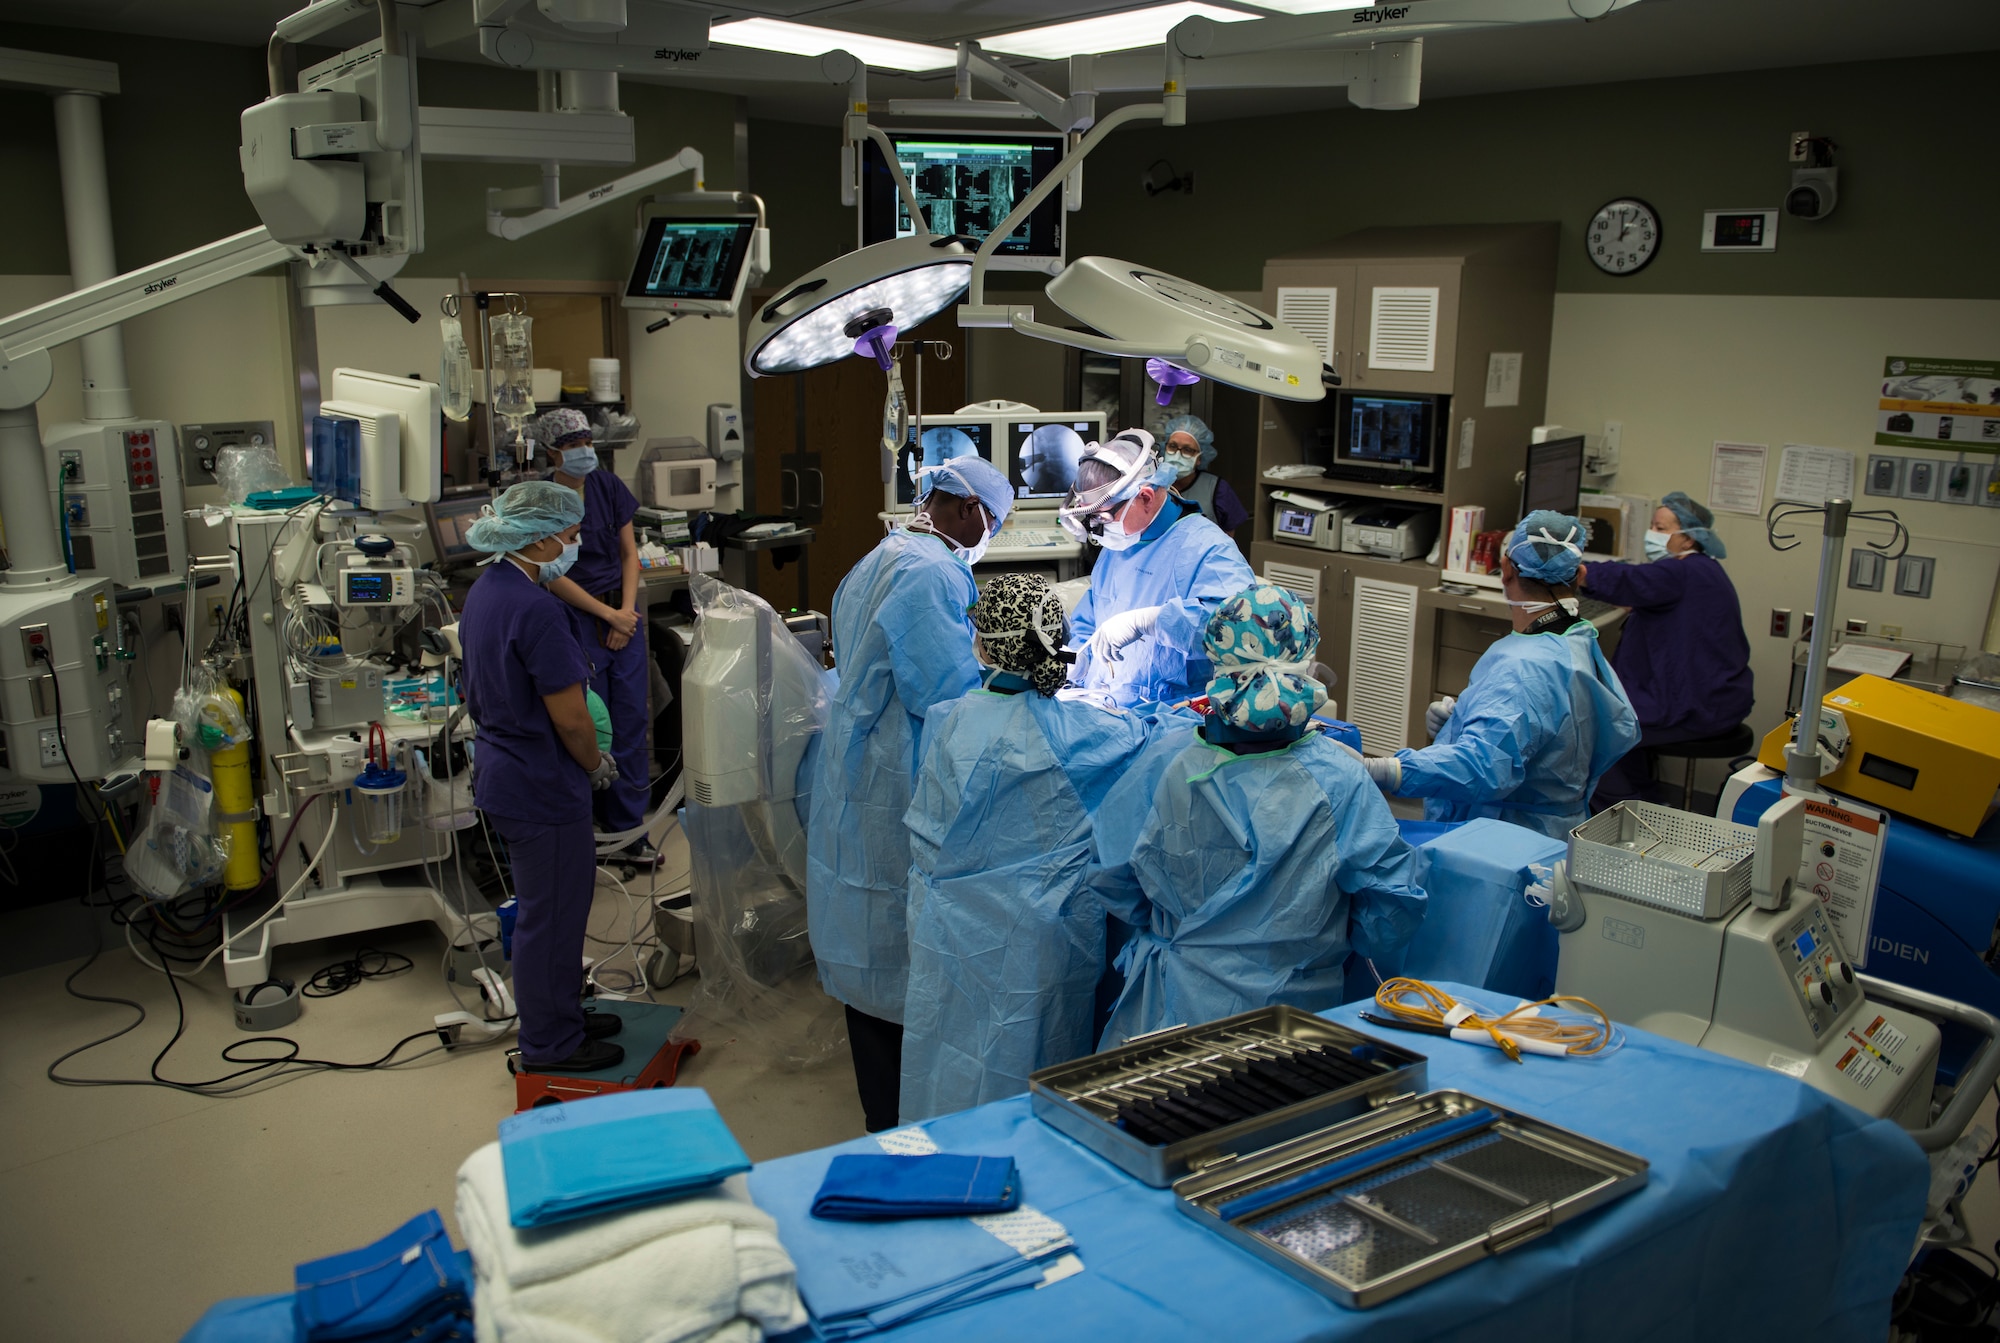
807,325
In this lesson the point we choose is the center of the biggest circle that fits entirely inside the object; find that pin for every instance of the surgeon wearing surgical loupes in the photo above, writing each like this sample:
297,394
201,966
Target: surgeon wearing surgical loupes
905,644
1544,715
1164,570
535,762
1250,855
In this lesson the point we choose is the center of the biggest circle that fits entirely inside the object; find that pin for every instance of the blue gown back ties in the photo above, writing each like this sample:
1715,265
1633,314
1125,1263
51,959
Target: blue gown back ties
904,644
1248,878
1007,942
1541,721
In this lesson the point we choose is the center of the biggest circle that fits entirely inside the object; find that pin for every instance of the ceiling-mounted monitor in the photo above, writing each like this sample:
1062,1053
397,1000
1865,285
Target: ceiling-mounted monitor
694,264
968,182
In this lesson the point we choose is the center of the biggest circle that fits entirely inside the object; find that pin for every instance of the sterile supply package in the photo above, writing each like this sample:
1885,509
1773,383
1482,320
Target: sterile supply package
607,1153
754,705
408,1285
865,1187
708,1266
179,849
243,471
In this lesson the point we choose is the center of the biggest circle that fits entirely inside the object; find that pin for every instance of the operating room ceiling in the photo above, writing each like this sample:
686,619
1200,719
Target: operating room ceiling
1657,39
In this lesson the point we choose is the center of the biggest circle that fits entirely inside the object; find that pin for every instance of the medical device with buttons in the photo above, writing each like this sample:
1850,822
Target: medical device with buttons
1691,927
1390,531
1315,520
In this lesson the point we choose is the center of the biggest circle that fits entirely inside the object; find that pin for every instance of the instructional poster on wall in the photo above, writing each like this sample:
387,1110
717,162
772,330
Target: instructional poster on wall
1736,478
1809,475
1952,404
1841,865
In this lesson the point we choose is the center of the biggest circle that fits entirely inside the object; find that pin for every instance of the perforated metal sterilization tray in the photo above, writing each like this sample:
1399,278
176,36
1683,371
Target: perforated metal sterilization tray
1380,1204
1088,1098
1693,865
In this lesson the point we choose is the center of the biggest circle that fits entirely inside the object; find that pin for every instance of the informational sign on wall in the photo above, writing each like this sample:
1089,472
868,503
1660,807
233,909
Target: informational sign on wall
1950,405
1736,478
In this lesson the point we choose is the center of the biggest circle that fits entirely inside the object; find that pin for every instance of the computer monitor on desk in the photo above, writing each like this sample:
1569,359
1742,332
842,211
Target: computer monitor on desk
933,443
449,518
1554,478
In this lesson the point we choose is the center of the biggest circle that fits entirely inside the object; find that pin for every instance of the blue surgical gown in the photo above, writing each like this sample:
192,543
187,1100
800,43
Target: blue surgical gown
1542,719
1185,565
1248,878
1007,942
904,643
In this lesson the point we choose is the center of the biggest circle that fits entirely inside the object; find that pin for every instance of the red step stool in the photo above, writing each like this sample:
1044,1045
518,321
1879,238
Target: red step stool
652,1058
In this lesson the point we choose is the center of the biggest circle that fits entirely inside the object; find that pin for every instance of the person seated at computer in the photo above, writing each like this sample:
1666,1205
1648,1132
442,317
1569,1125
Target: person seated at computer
1007,944
1249,855
1164,570
1683,656
1544,715
1190,448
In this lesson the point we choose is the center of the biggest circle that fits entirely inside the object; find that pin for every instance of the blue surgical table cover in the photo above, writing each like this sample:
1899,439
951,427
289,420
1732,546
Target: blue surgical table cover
884,1187
1771,1211
618,1151
1478,927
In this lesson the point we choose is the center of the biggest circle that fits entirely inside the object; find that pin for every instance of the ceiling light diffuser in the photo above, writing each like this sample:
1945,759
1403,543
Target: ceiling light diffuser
1105,32
803,39
807,324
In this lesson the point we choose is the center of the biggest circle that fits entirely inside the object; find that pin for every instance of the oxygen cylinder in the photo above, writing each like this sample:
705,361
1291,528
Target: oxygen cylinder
236,807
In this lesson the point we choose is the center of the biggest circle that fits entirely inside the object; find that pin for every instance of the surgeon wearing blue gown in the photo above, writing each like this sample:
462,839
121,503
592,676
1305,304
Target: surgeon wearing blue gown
1251,855
904,644
1164,571
1007,942
535,763
1544,715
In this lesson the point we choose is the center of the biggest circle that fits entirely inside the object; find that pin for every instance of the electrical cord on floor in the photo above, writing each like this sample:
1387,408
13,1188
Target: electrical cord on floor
1946,1297
365,964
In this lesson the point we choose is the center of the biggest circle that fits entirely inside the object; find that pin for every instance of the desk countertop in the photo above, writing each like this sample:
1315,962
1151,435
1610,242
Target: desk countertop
1493,605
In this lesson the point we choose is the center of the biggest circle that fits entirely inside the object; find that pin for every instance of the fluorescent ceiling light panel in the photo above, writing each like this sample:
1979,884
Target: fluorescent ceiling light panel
1106,32
803,39
1309,6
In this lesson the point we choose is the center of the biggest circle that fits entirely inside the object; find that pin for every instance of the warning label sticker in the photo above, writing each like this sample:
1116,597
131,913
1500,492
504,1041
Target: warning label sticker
1860,1067
1884,1036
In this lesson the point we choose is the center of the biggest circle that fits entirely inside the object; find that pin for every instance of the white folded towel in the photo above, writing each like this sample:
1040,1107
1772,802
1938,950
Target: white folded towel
708,1268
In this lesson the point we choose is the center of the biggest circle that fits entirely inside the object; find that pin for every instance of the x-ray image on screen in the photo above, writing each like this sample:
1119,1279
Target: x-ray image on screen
936,446
1043,463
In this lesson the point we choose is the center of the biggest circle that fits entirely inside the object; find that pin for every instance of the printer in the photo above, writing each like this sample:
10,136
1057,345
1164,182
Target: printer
1315,520
1390,531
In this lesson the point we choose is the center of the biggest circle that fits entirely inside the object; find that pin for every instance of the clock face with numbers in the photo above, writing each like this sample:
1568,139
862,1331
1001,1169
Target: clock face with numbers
1623,236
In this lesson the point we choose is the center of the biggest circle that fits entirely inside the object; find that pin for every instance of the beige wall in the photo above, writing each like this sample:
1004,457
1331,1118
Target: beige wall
1681,371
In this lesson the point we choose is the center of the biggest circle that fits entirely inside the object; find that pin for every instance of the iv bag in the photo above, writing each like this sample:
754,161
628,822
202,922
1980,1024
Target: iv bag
455,371
513,366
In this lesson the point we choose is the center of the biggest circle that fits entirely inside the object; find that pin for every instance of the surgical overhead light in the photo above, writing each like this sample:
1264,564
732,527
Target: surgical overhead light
1189,327
906,281
1107,32
804,39
1312,6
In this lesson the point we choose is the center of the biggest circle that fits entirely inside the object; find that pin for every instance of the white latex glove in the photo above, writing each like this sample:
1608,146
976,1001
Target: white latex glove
1385,770
1437,713
605,774
1128,627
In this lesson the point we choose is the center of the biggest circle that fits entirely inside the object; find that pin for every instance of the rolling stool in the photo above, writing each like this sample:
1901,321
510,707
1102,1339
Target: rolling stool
1723,746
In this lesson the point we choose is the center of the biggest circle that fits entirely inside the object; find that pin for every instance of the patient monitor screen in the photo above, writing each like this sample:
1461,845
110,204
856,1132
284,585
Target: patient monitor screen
934,445
690,259
1042,457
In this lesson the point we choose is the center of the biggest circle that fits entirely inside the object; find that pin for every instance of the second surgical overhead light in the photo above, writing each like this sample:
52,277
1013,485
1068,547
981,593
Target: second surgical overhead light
806,325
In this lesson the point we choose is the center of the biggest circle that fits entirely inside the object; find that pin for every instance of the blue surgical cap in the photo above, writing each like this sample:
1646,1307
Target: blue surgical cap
1548,546
524,514
1204,437
1261,641
1695,521
970,477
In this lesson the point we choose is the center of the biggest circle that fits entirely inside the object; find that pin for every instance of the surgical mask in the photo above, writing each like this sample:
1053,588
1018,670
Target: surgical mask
1180,463
550,570
973,554
579,461
1656,544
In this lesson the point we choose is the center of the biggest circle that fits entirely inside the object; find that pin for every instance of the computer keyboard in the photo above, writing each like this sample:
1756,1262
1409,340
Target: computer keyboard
1589,608
1028,538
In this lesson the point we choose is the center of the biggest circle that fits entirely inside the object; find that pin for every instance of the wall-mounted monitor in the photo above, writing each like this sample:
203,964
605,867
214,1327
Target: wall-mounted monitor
968,182
692,264
933,443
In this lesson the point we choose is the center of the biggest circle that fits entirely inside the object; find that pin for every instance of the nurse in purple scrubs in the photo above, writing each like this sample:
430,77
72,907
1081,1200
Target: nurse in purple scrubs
535,763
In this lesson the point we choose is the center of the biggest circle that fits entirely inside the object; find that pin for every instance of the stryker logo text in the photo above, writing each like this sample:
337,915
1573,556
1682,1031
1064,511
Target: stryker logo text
159,286
1387,14
675,54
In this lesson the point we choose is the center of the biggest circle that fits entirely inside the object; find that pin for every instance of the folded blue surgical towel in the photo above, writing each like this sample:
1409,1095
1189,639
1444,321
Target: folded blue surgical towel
609,1152
865,1188
403,1285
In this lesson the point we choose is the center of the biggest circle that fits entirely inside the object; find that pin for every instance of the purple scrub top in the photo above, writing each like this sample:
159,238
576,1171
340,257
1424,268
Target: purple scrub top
607,506
1683,656
519,646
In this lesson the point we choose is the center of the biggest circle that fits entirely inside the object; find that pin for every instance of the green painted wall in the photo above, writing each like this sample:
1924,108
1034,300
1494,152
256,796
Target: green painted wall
170,145
1916,214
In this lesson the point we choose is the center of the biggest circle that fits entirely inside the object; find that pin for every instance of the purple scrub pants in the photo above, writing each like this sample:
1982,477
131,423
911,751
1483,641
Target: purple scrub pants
555,879
623,680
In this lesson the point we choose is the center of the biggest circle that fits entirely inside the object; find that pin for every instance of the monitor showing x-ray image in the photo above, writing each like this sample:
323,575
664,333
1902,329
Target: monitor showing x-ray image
1042,457
936,444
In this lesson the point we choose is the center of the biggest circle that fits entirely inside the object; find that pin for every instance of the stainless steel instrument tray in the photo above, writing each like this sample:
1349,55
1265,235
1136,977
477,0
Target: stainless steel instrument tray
1371,1208
1070,1096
